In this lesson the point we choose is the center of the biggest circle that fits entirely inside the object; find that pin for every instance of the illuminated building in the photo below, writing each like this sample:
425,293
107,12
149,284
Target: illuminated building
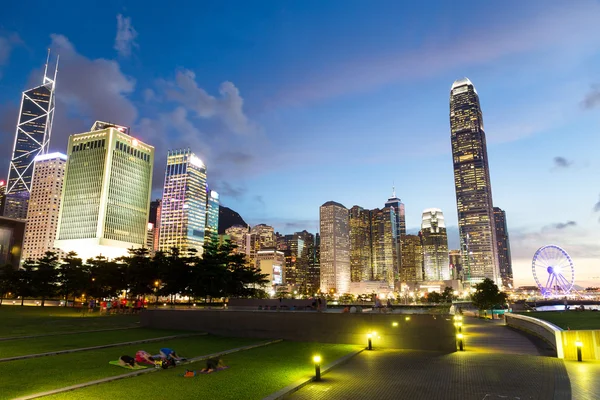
2,195
435,246
272,263
412,259
44,206
455,264
12,232
299,250
238,235
386,249
154,219
34,128
150,235
212,216
504,260
361,266
313,279
335,248
398,207
472,184
106,194
183,209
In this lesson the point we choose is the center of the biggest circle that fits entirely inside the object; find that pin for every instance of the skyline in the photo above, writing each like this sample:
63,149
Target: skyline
265,107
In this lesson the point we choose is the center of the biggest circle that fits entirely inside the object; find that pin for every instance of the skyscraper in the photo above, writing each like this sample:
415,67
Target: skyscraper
2,195
386,246
398,207
472,183
435,246
154,219
212,216
504,260
183,211
313,280
412,259
360,245
44,206
32,137
335,248
106,194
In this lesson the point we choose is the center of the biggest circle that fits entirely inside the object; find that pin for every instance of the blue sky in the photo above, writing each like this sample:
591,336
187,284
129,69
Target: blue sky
292,104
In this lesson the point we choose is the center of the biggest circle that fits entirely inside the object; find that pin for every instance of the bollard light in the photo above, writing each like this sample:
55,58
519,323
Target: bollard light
579,345
458,326
459,337
317,361
394,324
369,342
407,318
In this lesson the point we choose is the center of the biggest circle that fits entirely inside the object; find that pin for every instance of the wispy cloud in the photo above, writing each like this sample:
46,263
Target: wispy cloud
592,98
597,206
561,162
126,35
561,225
7,43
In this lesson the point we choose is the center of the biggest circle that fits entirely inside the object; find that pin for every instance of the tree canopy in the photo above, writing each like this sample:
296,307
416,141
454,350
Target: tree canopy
487,295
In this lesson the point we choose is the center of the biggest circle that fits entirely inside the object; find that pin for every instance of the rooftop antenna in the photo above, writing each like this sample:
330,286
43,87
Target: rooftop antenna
46,67
393,189
56,69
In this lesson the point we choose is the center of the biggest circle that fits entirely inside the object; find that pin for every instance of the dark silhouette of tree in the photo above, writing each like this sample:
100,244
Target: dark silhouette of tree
106,277
175,274
8,280
72,277
448,295
434,297
45,276
140,272
24,281
209,274
487,295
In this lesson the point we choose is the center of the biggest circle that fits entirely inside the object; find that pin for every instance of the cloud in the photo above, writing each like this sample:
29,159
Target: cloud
597,206
225,189
125,39
7,43
563,225
592,98
228,107
561,162
237,157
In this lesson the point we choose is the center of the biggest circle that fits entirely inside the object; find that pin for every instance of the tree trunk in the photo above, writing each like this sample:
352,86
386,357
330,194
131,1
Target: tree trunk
1,298
22,300
43,301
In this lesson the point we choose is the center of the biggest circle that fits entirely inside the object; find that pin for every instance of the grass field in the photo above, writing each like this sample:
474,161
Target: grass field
16,320
569,319
253,374
13,348
46,373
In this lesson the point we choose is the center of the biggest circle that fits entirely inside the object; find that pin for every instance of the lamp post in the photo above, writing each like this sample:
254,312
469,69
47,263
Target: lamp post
459,337
317,361
579,345
369,342
156,283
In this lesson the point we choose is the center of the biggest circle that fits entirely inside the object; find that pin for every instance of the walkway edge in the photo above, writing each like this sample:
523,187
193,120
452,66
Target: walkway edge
2,339
294,387
104,346
141,372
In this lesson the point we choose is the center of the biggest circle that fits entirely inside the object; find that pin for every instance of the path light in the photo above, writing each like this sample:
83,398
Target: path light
458,326
579,345
394,324
317,361
459,337
407,318
370,344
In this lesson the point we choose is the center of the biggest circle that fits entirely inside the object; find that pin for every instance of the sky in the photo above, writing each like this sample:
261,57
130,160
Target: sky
292,104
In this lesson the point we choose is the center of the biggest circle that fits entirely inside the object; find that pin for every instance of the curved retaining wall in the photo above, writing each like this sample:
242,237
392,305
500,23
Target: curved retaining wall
537,327
416,332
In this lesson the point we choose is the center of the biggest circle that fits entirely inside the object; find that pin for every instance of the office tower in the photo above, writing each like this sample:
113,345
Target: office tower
265,236
292,249
2,195
106,194
472,183
386,246
306,261
360,245
238,235
435,245
12,232
335,248
412,259
150,235
313,280
398,207
212,216
183,209
34,127
44,206
272,262
504,260
154,219
455,264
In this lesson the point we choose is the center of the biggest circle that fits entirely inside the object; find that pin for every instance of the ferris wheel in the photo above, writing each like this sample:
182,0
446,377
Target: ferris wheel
552,264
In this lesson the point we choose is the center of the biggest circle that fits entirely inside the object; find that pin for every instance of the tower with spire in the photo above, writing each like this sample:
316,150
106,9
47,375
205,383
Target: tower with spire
398,207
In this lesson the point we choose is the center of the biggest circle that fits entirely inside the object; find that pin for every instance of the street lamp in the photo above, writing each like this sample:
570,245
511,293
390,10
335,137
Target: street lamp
459,337
579,345
156,283
317,361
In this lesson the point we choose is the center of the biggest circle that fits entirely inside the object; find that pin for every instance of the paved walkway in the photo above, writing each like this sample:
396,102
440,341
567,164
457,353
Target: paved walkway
499,363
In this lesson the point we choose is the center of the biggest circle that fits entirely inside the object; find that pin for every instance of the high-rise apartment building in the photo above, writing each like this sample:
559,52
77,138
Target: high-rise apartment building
154,219
44,206
472,183
183,210
238,235
412,259
435,246
386,246
360,245
212,216
335,248
503,243
32,137
106,194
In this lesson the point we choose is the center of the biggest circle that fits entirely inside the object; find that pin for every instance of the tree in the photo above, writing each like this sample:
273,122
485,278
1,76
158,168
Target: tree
24,280
141,272
45,276
487,295
434,297
448,295
105,277
8,280
72,277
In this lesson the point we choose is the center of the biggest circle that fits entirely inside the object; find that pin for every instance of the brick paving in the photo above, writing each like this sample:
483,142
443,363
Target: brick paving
498,363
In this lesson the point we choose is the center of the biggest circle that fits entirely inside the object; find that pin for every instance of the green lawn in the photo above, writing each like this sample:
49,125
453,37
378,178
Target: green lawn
30,376
569,319
253,374
13,348
16,320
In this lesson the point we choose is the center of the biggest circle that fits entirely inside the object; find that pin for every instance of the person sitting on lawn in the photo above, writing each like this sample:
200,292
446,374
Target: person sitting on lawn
127,361
213,364
168,353
143,357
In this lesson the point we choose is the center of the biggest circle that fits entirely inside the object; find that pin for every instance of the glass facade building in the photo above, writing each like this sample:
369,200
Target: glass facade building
34,127
106,195
334,248
435,246
504,259
212,216
183,211
412,259
386,250
44,206
360,245
472,184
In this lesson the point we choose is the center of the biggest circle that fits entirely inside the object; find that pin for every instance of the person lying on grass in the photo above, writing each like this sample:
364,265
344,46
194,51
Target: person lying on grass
143,357
213,364
167,353
127,361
